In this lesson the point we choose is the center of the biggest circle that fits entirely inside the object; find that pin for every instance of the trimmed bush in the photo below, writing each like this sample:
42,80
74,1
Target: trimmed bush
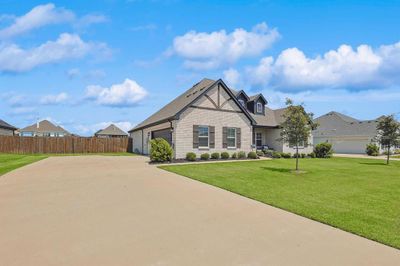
215,155
205,156
160,150
303,155
260,153
295,155
276,155
252,155
397,151
311,155
268,153
323,150
372,149
191,156
286,155
224,155
234,155
241,155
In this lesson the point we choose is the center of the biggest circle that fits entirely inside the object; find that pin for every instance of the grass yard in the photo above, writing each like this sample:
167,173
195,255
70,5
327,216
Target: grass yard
357,195
9,162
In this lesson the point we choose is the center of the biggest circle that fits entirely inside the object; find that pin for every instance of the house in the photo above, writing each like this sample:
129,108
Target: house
6,129
112,131
210,117
347,134
43,128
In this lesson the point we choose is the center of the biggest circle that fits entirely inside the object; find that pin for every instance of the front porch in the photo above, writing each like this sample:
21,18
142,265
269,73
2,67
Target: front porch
266,138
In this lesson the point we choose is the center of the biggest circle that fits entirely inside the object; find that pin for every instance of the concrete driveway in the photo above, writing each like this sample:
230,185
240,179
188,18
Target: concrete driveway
97,210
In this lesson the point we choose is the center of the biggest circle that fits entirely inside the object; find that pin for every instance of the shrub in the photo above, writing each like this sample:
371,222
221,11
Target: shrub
323,150
295,155
160,150
191,156
286,155
372,149
224,155
311,155
397,151
276,155
205,156
215,155
234,155
303,155
260,153
252,155
241,155
268,153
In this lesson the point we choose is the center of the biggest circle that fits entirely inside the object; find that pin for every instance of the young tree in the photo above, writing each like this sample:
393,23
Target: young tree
388,133
296,127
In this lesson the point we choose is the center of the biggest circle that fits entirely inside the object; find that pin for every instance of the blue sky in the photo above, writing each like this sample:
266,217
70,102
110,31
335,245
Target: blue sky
85,64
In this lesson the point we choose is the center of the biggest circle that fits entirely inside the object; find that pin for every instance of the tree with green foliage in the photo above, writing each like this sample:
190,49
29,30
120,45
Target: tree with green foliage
388,133
296,127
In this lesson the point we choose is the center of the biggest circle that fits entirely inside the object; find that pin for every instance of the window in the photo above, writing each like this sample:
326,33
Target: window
241,101
258,139
203,137
259,107
231,137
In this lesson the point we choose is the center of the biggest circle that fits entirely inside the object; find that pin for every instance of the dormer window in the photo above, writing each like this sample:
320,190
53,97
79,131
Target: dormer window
259,107
241,101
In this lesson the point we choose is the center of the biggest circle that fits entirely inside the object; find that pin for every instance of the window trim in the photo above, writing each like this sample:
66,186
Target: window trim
241,101
229,137
259,105
208,137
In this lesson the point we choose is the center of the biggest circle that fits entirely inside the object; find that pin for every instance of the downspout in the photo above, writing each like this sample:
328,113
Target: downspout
172,139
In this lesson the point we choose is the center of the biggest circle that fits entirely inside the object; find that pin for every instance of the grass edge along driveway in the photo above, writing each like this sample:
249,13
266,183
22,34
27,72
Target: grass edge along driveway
360,196
9,162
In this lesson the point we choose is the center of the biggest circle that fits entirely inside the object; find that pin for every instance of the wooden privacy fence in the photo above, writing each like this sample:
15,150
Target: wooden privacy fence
26,145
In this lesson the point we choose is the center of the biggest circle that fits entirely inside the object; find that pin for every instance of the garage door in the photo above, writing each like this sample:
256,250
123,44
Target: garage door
164,134
355,145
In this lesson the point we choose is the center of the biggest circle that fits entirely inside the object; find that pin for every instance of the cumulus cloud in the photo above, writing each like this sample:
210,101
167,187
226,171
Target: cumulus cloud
16,59
90,19
203,50
37,17
128,93
361,68
231,77
53,99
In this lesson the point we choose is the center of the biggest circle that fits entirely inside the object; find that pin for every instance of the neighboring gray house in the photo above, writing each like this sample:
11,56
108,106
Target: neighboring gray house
210,117
6,129
347,134
43,128
112,131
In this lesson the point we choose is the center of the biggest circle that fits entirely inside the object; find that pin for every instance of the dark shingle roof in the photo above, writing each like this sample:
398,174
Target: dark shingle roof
337,124
111,130
4,124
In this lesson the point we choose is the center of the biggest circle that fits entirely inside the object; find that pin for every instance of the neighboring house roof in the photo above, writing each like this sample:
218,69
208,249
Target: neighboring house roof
4,124
172,109
334,124
111,130
44,126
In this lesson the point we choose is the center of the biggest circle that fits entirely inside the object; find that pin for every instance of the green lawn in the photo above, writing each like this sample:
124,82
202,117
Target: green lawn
357,195
9,162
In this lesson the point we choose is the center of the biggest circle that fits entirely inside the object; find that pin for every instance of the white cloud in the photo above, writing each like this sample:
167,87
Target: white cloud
232,77
67,46
128,93
202,50
54,99
90,19
362,68
39,16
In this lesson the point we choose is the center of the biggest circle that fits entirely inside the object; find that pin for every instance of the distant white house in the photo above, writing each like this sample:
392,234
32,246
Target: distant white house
43,128
6,129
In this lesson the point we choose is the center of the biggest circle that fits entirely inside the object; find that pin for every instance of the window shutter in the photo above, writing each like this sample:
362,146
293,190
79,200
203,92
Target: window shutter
224,137
238,138
212,136
195,136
